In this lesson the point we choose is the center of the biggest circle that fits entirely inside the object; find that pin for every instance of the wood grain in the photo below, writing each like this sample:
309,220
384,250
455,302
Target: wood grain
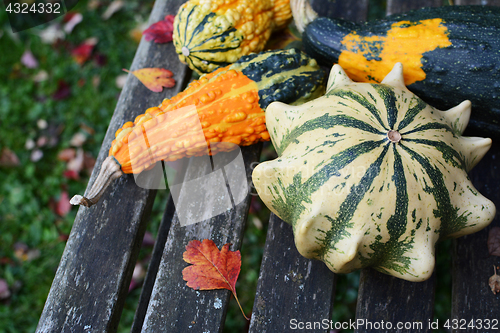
174,307
348,10
472,298
291,288
401,6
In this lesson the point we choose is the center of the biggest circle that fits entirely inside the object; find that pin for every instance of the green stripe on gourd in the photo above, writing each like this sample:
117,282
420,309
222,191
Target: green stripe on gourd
202,35
370,175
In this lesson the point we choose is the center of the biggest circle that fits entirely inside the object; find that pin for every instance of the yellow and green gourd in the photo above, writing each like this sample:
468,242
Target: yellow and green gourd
209,34
369,175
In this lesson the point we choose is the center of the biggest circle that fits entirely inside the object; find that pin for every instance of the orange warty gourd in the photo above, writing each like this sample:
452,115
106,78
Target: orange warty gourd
216,113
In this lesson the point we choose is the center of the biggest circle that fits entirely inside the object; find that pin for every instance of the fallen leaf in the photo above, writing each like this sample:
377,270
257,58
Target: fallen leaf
87,129
42,124
88,162
78,139
96,81
42,141
112,8
70,20
29,60
6,261
136,32
36,155
94,4
63,91
83,51
76,163
211,268
494,282
100,59
30,144
148,240
160,32
51,34
24,253
137,276
41,76
494,241
8,158
66,155
4,290
120,80
62,206
71,174
154,78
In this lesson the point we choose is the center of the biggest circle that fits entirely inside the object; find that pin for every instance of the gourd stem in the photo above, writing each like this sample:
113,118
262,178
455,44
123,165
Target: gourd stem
110,170
303,13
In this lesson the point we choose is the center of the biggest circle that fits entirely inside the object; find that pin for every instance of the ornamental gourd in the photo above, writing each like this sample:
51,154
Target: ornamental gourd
216,113
450,53
369,175
209,34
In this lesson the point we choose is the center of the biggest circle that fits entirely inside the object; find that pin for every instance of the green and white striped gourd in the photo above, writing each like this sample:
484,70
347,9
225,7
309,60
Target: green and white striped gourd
369,175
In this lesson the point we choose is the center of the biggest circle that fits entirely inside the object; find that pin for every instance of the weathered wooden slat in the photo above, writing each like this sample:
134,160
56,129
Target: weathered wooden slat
390,302
291,286
292,291
477,2
401,6
348,10
174,307
472,298
473,303
156,256
90,285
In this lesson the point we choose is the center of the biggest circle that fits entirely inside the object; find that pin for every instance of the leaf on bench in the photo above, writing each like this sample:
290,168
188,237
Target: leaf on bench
154,78
211,268
160,32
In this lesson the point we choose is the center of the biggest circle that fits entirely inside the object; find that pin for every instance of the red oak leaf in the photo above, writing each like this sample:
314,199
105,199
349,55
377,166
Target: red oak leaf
211,268
160,32
154,78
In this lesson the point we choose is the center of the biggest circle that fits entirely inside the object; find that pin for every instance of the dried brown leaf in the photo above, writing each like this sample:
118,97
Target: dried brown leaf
8,158
494,282
4,290
494,241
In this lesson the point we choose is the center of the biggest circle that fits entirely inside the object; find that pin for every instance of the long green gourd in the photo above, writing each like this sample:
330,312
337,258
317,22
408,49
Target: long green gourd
369,175
450,54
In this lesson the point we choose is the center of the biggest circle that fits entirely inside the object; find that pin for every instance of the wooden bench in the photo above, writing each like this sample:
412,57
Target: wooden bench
91,283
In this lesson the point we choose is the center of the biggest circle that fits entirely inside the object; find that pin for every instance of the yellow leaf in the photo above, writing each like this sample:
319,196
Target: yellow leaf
154,78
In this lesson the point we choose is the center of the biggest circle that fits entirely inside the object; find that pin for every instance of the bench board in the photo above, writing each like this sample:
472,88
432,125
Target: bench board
92,280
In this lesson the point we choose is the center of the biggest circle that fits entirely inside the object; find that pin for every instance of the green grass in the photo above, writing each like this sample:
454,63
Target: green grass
27,190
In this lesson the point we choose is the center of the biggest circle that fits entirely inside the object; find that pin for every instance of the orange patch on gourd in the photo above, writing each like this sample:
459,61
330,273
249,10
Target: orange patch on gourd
221,108
370,58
